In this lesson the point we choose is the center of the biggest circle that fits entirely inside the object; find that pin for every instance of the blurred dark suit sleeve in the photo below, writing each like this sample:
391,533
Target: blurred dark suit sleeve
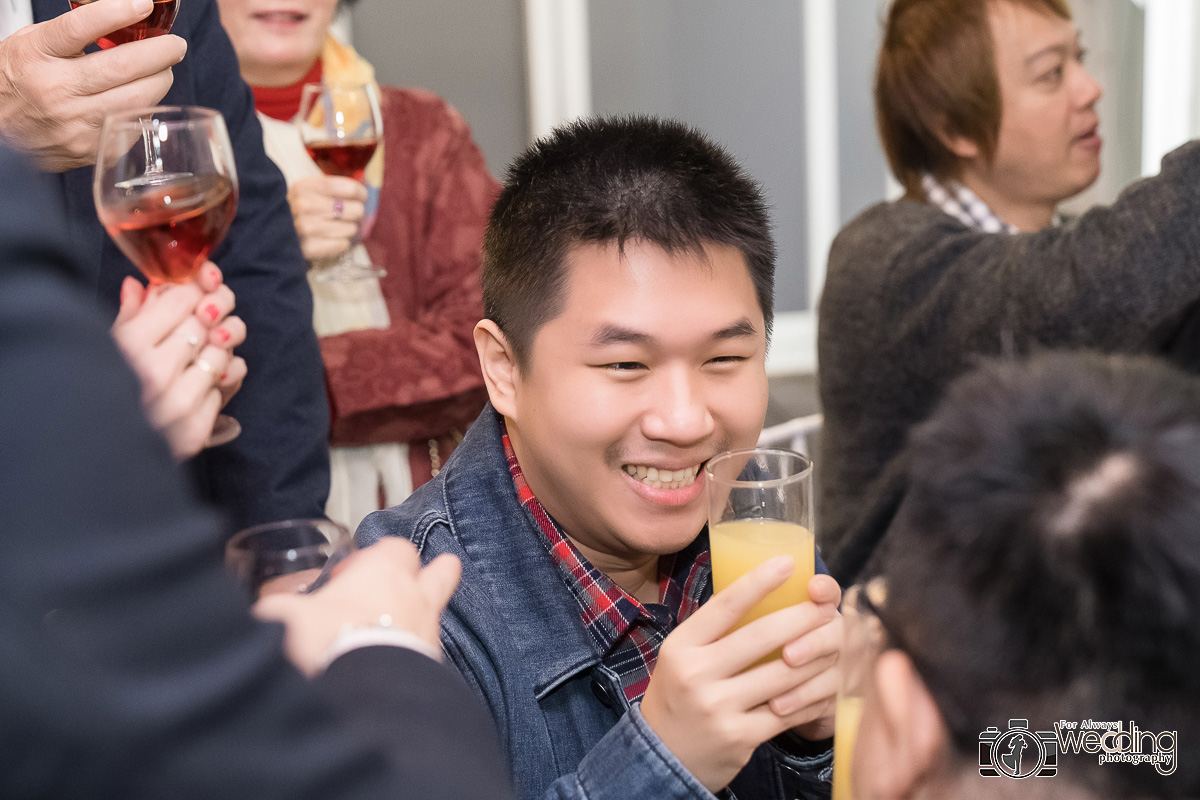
131,666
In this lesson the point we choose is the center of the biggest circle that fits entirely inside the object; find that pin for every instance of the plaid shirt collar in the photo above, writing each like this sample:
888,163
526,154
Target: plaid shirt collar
627,632
964,205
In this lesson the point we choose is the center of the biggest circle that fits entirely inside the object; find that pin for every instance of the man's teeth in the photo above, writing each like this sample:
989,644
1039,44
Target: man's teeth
663,478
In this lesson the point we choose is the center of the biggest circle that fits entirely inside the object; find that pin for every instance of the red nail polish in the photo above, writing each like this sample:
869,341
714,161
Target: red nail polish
223,335
212,311
224,375
214,275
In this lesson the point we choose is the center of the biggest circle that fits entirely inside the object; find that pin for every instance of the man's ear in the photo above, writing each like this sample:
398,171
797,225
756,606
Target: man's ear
904,732
499,365
966,149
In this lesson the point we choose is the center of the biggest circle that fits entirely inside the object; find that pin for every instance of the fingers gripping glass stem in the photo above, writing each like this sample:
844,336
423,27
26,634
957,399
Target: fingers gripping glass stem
341,126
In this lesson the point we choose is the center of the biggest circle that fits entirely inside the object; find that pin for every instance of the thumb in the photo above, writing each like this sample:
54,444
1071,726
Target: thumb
132,295
439,580
67,34
277,607
209,278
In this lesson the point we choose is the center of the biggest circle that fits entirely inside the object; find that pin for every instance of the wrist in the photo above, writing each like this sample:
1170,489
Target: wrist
382,631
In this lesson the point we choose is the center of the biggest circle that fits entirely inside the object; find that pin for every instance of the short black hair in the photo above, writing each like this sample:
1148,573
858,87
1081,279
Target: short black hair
1045,563
616,179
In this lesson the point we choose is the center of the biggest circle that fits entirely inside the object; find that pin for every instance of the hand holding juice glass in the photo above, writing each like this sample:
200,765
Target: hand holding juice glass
760,506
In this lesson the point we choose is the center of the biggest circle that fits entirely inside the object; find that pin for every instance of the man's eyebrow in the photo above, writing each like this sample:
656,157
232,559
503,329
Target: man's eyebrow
610,334
1062,49
615,334
1054,49
741,329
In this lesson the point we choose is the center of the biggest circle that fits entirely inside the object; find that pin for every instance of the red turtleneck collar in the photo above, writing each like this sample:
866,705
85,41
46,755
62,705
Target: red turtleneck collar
282,102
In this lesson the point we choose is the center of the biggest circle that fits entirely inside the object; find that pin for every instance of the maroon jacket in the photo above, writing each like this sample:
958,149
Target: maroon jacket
419,379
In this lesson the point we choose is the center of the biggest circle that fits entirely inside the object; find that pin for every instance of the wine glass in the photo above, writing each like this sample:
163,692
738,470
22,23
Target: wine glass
158,22
292,555
166,191
340,125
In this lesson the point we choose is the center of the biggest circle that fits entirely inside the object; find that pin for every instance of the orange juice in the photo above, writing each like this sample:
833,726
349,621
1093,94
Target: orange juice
741,545
849,711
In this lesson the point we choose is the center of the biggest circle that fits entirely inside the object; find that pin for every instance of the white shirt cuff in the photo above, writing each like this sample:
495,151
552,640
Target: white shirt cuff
371,637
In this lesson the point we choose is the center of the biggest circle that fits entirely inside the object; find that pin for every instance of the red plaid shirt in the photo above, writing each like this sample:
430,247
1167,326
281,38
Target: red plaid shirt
629,633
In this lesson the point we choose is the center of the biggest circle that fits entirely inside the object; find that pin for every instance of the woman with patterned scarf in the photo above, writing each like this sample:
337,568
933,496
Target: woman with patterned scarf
400,362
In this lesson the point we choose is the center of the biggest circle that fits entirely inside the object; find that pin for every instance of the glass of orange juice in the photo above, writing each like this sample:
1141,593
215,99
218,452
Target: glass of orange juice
862,641
760,506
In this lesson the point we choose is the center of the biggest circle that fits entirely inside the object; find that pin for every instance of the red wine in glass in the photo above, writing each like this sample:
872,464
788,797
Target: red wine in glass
165,187
341,125
348,159
168,229
161,17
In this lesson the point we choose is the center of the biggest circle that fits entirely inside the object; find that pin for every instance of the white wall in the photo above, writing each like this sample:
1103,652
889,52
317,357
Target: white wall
471,52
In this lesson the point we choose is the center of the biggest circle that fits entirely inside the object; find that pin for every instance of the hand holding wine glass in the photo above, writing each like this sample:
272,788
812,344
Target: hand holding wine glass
161,333
157,23
341,125
384,580
53,98
166,191
326,210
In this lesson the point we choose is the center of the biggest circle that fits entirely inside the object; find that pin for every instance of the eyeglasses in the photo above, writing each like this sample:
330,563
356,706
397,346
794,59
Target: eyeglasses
871,599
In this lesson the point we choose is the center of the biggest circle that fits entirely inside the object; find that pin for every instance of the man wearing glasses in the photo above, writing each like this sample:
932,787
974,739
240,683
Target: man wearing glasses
1042,606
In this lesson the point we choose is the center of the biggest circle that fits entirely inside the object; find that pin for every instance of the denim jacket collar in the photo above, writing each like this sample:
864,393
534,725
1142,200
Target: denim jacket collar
502,541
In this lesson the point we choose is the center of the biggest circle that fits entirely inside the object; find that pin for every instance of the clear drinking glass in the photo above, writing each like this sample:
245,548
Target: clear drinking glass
760,506
862,642
341,125
166,190
294,555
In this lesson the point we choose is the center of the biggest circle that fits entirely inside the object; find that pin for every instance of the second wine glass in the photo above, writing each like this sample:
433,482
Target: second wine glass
341,125
166,190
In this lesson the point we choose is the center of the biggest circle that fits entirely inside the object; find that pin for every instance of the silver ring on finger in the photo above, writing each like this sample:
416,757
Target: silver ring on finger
204,366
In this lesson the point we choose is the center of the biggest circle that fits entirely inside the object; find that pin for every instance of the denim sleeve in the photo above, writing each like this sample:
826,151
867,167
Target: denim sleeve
820,567
630,761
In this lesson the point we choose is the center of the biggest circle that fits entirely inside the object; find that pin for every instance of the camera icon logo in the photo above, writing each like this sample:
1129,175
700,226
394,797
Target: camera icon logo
1018,752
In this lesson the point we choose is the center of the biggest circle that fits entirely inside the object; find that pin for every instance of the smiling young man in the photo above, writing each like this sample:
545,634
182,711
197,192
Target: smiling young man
627,283
988,118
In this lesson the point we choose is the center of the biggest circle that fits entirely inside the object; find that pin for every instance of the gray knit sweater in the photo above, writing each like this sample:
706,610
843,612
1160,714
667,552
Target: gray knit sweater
913,298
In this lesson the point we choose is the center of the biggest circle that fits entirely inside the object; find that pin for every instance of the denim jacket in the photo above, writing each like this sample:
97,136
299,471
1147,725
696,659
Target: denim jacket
513,630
